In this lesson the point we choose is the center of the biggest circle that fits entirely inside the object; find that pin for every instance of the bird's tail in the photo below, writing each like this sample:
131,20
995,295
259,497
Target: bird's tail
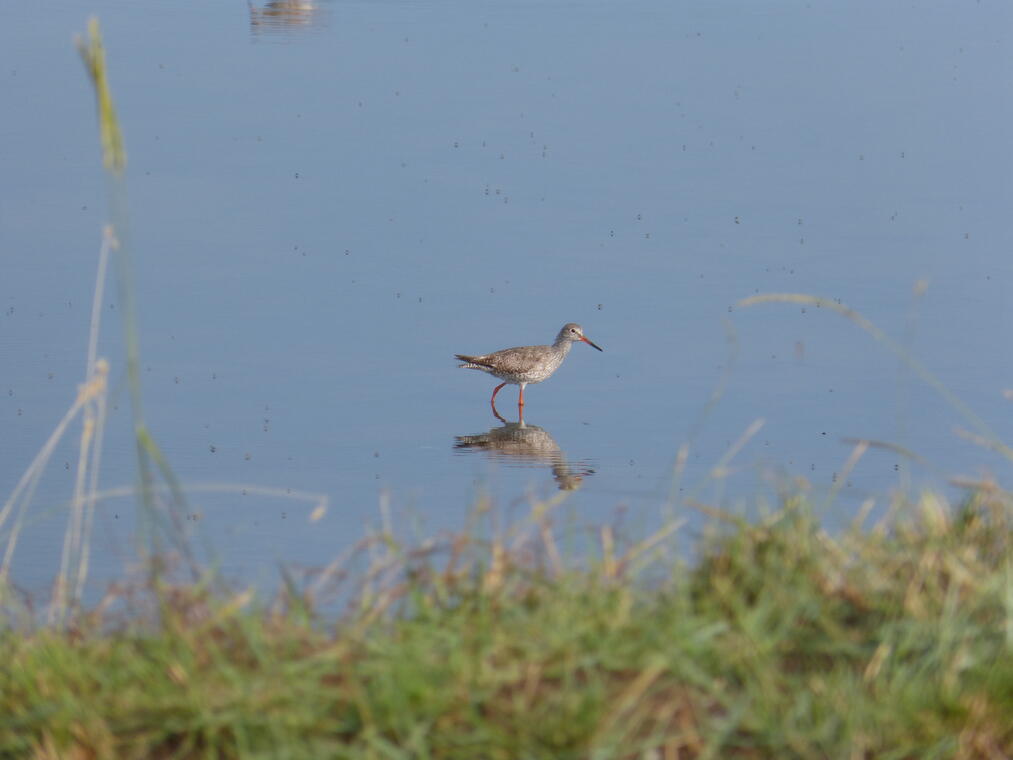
470,362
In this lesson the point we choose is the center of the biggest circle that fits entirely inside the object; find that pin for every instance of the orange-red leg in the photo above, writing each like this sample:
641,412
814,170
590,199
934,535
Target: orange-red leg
492,401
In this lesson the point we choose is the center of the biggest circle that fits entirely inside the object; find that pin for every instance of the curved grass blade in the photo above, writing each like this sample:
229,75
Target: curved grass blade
919,369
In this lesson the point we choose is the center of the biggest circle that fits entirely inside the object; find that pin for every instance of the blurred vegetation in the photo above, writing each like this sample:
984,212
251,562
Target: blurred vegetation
781,641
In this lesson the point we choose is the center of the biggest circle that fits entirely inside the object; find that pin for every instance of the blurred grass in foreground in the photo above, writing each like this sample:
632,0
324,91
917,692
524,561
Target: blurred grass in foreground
781,642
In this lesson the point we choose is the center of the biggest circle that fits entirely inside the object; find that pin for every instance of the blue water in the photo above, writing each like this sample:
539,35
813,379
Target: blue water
326,203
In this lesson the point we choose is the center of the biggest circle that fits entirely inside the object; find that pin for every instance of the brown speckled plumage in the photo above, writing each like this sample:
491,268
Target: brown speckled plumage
526,364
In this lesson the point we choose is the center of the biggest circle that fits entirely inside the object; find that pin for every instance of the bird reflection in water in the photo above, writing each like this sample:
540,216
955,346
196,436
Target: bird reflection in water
520,443
285,15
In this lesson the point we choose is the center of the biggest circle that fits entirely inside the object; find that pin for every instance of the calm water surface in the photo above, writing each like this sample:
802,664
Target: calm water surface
328,200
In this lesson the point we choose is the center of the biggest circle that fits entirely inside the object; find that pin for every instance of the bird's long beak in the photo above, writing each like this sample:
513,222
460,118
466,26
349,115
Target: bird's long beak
592,345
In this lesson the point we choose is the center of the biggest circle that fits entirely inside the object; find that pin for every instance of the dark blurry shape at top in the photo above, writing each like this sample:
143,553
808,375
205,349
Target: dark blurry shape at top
282,16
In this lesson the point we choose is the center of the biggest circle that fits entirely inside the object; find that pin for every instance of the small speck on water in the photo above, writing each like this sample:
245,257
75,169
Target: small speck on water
212,448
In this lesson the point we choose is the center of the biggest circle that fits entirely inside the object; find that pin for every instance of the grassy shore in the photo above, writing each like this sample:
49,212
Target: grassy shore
782,641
